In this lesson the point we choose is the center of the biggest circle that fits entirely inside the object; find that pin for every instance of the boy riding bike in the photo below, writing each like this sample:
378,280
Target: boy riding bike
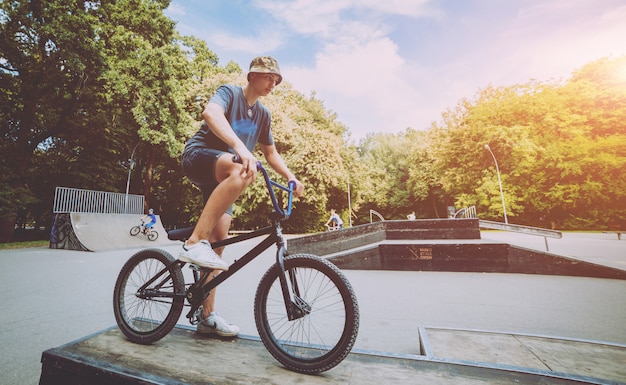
152,222
234,122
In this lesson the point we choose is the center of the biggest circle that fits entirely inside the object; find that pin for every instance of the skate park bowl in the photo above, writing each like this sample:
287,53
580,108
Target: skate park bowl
444,245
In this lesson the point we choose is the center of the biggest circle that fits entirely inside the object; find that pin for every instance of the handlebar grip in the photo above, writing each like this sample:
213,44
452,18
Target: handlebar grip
292,185
237,159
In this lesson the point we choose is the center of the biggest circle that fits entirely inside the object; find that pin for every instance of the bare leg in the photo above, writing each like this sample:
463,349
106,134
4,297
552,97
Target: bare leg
232,183
219,232
213,223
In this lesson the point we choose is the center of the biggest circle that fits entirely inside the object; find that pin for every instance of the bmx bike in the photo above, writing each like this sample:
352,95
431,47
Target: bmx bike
152,235
332,228
305,309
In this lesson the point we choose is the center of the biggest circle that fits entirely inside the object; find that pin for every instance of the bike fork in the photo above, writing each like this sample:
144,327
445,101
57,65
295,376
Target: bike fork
295,306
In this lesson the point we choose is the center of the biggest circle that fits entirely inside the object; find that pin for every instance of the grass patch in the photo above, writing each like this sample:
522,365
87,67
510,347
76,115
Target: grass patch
23,245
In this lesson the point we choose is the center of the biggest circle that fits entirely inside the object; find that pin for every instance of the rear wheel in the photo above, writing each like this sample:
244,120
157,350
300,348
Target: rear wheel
147,314
153,235
326,331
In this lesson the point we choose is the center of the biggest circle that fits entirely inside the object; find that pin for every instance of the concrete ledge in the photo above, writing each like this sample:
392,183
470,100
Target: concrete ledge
458,358
357,236
477,257
450,245
585,361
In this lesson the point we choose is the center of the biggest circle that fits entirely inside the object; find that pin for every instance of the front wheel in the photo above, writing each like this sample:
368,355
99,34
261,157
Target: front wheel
148,296
326,330
134,230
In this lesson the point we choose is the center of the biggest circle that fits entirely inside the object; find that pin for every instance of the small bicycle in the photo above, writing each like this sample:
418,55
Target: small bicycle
152,235
332,228
305,309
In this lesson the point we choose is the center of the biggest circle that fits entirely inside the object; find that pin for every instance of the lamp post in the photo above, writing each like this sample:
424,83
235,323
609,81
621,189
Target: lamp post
499,182
131,167
349,205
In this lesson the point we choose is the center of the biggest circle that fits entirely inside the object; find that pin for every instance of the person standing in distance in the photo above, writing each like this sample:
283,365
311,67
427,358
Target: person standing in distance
234,122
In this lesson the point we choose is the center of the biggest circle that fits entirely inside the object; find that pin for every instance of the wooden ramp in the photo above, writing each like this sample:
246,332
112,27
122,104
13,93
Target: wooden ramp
184,357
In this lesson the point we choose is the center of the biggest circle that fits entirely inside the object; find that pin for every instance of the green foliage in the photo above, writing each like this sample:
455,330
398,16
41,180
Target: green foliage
557,146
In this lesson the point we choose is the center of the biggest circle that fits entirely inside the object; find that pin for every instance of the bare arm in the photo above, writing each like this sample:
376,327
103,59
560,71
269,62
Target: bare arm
276,161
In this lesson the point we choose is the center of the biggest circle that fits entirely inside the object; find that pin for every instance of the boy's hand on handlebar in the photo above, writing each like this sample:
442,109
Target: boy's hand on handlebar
248,164
299,190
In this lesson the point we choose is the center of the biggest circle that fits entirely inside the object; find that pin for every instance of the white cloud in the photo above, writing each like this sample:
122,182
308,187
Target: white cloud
364,84
269,41
175,10
358,72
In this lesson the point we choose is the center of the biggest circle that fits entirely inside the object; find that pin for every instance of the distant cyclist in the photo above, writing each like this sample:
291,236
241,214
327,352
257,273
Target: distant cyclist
152,220
335,219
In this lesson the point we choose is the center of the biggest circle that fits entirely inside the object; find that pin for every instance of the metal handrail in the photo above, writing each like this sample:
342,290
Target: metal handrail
74,200
545,233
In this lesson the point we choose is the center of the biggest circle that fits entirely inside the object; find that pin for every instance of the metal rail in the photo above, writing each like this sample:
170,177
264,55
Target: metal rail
545,233
73,200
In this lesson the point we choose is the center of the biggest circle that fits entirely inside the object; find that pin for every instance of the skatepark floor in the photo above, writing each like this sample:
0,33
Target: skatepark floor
53,297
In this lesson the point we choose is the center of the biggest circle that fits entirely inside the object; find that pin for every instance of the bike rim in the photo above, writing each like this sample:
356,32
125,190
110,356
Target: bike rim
317,334
144,315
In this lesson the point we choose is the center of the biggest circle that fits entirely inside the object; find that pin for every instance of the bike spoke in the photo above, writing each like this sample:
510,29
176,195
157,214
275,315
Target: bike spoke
316,333
146,314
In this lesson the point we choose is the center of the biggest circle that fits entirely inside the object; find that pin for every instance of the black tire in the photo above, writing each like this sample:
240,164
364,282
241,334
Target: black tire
146,320
134,230
153,235
319,340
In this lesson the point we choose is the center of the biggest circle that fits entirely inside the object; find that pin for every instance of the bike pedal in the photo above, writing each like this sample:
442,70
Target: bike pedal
200,268
196,318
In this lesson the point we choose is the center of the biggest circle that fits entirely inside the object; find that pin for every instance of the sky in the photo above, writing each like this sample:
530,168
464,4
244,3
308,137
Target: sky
387,65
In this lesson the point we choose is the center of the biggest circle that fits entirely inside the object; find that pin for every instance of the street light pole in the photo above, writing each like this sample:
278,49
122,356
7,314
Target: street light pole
499,182
349,205
131,167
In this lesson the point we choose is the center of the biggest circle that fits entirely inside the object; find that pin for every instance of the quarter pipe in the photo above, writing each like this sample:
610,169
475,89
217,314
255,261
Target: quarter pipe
96,232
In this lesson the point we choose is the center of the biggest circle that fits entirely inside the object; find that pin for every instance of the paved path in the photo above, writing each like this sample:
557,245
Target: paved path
52,297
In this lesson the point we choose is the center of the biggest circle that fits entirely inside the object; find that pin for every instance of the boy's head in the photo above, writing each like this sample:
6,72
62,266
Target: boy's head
265,65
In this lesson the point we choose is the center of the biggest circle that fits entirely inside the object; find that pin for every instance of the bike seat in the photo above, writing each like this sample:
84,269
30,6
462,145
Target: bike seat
180,234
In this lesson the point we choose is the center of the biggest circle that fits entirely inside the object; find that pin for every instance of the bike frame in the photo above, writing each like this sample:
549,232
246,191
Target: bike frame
198,292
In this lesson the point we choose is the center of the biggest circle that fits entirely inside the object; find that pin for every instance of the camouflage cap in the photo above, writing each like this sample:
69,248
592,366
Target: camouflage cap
265,65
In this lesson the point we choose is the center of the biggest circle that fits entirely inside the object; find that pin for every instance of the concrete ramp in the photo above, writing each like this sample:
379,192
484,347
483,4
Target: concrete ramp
97,232
448,357
452,245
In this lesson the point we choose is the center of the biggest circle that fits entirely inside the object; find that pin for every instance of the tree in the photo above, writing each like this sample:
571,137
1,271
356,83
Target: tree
556,144
45,73
83,84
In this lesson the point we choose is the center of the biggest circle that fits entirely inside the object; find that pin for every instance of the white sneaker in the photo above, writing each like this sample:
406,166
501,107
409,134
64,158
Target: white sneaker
202,255
215,324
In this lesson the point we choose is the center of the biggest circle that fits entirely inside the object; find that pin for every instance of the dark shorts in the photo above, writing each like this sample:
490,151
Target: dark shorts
199,167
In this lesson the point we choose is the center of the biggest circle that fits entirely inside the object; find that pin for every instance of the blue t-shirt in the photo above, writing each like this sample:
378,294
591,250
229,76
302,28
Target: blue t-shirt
251,124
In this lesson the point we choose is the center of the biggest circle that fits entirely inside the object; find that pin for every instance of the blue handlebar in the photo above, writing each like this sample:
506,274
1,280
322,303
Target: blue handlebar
290,188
